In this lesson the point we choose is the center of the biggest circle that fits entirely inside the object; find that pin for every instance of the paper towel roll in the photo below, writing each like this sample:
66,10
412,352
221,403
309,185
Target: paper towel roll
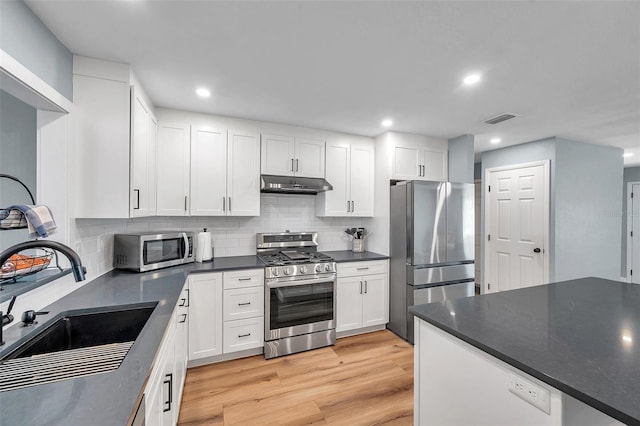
204,252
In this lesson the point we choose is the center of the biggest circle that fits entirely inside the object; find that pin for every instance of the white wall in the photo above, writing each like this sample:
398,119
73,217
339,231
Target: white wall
232,236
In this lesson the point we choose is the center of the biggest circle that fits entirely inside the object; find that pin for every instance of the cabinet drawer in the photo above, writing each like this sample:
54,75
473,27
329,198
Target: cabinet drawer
351,269
240,303
241,279
243,334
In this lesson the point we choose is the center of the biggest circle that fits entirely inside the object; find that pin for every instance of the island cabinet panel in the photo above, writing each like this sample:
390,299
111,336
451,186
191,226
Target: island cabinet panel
456,383
205,315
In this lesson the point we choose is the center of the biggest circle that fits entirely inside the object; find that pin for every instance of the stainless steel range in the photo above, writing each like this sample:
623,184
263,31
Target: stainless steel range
300,293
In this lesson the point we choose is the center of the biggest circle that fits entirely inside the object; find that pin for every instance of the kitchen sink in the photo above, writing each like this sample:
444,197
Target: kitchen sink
76,343
88,327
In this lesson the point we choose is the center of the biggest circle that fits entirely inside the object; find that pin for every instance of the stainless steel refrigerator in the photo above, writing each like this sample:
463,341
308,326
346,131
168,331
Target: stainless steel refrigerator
432,247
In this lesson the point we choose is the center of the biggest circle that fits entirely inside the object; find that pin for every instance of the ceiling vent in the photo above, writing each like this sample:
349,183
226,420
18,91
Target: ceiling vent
500,118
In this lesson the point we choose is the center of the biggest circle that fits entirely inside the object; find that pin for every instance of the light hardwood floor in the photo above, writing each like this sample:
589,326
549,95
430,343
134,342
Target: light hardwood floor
362,380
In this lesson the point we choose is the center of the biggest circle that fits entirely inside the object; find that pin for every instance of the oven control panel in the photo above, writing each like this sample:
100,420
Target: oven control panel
308,269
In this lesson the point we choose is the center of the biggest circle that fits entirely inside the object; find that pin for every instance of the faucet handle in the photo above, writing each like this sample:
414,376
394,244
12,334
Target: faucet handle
8,318
29,317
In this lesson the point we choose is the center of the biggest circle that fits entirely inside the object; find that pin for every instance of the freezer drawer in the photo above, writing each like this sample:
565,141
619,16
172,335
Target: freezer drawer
439,274
420,296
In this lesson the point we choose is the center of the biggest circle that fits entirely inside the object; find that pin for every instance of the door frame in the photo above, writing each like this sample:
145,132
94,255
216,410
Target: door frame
629,214
546,190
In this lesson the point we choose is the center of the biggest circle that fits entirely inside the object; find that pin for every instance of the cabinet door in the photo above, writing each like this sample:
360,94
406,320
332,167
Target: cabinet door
208,171
375,305
349,303
102,118
182,340
140,196
277,155
205,315
151,165
405,162
170,403
362,179
309,156
338,159
173,169
243,174
435,164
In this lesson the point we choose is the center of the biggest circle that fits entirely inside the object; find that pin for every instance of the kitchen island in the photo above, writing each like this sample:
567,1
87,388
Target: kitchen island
564,353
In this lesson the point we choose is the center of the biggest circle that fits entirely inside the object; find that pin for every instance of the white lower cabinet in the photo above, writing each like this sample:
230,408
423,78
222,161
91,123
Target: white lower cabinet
226,312
205,315
362,295
164,388
243,310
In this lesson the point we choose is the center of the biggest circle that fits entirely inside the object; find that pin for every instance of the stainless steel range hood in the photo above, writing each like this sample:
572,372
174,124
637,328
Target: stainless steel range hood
293,185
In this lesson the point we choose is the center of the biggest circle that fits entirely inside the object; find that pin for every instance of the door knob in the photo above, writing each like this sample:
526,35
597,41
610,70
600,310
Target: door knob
536,250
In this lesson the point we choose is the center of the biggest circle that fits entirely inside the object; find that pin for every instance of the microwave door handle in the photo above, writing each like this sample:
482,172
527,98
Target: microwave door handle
186,246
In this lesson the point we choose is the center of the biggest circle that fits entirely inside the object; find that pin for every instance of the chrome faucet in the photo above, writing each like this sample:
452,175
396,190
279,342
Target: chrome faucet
6,318
76,263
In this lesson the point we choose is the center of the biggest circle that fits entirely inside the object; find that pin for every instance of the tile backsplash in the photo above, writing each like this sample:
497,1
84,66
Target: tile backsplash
232,236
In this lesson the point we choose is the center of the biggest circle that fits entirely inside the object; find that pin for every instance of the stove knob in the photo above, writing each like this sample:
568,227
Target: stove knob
303,269
318,268
327,267
274,272
287,270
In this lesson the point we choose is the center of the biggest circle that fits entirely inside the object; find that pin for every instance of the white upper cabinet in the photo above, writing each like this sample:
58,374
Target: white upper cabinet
243,173
116,141
292,156
225,172
350,170
173,169
309,156
208,171
418,160
143,150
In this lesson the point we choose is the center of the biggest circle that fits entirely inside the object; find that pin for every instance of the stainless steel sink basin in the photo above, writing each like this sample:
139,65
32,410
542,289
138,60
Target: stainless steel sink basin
75,343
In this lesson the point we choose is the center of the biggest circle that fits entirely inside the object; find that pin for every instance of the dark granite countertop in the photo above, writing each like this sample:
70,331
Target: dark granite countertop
582,337
349,256
109,398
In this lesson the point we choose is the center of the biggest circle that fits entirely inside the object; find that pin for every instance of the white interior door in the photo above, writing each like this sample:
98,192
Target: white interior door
634,208
517,227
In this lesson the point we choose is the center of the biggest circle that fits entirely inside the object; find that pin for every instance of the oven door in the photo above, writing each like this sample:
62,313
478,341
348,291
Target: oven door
296,306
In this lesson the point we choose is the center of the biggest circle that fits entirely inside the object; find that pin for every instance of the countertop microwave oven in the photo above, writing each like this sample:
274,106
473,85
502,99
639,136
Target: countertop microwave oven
147,251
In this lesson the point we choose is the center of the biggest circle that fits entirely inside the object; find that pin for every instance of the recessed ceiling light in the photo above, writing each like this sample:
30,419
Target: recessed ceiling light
495,140
627,154
203,93
471,79
387,122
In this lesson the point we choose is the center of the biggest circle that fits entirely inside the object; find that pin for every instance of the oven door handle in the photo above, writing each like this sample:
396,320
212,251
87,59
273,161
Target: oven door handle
303,281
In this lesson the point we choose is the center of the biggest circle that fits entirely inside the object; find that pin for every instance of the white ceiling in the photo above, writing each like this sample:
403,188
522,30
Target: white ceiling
571,69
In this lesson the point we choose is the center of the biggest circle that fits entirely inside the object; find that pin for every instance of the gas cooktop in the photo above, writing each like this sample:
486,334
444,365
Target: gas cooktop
293,257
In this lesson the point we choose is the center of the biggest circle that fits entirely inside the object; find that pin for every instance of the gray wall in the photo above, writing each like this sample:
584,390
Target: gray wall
17,158
525,153
588,196
631,174
477,171
461,159
29,41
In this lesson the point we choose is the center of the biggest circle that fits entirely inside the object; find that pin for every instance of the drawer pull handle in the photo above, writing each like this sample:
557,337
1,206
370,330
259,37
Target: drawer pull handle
184,318
183,302
244,279
244,304
244,335
362,268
